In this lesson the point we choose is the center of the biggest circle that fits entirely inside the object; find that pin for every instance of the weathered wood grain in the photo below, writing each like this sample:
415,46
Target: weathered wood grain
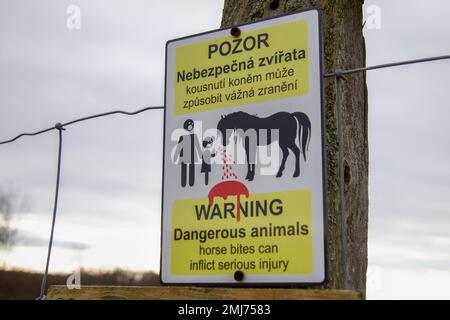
197,293
344,48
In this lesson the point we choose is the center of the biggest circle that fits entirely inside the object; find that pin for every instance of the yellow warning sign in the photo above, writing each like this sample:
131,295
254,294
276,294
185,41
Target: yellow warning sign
265,64
273,235
243,199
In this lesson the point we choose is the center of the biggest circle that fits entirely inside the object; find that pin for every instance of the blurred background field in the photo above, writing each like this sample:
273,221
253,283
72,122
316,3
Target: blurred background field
22,284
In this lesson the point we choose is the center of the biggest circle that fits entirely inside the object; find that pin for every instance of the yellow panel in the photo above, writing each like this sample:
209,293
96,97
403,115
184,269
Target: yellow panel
272,236
267,64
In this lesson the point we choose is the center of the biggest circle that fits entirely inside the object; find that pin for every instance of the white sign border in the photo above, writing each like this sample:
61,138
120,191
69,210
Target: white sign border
209,280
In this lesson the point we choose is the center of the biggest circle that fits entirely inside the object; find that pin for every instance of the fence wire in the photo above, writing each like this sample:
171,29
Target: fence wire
338,74
63,125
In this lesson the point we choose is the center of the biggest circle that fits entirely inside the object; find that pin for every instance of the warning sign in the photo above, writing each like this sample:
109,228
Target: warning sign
243,182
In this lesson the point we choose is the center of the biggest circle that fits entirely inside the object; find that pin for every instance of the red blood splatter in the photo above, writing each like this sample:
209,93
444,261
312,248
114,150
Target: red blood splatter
227,166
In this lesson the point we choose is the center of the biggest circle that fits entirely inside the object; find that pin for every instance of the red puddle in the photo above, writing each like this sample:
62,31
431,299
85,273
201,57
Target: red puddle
228,188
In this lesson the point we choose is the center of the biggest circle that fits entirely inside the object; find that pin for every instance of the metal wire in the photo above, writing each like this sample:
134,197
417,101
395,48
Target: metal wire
339,76
82,119
60,129
382,66
26,134
340,110
111,113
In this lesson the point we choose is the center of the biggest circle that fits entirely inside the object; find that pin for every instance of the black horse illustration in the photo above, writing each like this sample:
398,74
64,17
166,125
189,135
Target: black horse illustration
289,126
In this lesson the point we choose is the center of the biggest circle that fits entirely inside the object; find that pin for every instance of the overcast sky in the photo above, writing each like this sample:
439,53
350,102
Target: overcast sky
109,213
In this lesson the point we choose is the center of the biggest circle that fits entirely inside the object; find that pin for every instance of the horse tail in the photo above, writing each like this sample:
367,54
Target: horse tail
304,131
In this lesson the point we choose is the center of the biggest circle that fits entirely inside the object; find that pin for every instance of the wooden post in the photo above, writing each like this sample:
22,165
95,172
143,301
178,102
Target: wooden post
196,293
344,48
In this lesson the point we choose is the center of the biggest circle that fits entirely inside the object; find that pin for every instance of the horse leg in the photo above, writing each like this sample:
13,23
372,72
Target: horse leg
247,158
249,171
296,151
252,173
283,161
252,168
249,167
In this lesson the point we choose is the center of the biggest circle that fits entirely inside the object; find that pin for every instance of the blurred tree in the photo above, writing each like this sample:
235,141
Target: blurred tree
8,205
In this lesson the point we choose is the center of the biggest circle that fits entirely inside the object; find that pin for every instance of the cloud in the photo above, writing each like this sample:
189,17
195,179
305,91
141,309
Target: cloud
111,172
26,240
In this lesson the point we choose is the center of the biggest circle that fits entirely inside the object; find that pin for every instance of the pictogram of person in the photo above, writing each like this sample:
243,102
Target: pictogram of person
188,149
208,153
